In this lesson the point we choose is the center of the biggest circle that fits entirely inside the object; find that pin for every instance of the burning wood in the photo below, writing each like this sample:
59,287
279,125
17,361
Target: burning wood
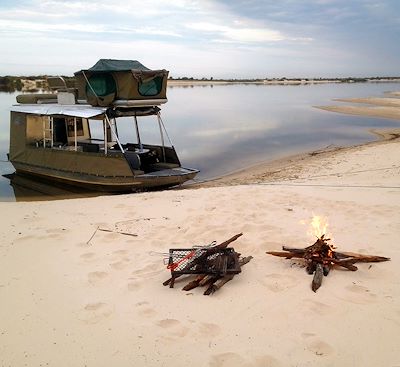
321,257
214,266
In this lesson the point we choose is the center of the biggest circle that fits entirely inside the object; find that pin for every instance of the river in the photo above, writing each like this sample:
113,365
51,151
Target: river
222,128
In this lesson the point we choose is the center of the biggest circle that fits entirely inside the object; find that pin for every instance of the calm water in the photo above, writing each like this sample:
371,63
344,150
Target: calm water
218,129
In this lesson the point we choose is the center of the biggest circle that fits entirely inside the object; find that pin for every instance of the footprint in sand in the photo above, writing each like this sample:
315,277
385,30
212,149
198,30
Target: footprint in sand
134,285
119,265
148,271
120,252
56,230
93,313
307,335
173,328
319,347
318,307
147,312
278,282
144,310
207,329
96,277
228,359
88,255
231,359
111,236
359,295
53,235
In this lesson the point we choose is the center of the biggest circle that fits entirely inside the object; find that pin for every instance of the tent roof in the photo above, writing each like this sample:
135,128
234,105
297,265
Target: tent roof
49,110
105,65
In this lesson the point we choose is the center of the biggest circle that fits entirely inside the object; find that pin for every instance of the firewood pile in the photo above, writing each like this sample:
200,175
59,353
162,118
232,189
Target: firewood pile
321,257
212,266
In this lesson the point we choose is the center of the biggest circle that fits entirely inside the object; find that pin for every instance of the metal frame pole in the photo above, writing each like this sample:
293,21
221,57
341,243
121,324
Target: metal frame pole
105,137
115,134
137,134
162,135
75,135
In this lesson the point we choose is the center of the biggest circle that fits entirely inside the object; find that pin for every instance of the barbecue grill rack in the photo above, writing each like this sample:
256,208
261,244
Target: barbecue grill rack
219,263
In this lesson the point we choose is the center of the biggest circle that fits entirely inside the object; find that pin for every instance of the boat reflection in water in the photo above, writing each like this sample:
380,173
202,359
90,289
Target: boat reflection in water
36,189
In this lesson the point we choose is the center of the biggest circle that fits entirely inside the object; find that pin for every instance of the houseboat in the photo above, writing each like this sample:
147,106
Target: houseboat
72,135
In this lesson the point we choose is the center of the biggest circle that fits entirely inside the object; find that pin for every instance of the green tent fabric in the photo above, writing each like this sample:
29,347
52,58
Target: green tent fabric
104,65
109,80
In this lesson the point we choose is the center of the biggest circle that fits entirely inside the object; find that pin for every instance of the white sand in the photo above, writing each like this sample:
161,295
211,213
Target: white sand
386,107
66,302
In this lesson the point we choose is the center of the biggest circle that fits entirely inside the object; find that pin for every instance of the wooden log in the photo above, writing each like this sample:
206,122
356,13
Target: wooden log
294,250
208,279
194,283
311,266
337,254
362,258
218,284
213,287
287,255
327,269
345,263
344,260
317,279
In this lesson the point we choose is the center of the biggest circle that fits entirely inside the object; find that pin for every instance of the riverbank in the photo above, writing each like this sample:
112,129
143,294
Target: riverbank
75,295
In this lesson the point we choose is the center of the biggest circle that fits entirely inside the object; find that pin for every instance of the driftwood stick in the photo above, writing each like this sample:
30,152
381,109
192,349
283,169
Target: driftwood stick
287,255
194,283
294,250
337,254
318,275
362,258
110,230
345,263
88,242
218,284
208,279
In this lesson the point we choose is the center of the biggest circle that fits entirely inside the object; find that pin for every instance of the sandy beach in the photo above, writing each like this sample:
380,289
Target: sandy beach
73,295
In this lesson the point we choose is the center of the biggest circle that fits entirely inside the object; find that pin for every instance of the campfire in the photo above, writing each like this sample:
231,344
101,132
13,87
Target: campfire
322,256
213,266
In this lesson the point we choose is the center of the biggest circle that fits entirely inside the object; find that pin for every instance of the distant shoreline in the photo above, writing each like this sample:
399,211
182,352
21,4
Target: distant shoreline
35,83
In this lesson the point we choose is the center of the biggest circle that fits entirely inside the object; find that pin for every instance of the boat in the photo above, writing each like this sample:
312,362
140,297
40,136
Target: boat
72,134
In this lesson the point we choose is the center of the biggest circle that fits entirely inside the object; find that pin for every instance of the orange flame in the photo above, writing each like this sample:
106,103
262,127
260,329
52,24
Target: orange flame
319,226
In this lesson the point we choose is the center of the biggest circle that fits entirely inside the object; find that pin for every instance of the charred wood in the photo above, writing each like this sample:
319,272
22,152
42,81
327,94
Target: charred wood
318,275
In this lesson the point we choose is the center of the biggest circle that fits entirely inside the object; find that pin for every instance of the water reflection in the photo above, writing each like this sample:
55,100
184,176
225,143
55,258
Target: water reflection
34,189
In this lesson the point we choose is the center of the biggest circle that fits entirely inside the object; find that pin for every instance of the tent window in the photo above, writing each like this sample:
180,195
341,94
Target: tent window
101,84
70,126
151,87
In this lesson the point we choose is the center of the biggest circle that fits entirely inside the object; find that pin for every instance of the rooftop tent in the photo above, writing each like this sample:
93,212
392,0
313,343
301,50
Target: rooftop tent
123,81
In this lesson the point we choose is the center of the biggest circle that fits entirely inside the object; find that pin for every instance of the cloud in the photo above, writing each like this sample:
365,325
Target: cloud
238,34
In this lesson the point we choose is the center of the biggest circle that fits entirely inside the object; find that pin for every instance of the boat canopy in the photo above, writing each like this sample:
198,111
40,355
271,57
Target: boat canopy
84,111
49,110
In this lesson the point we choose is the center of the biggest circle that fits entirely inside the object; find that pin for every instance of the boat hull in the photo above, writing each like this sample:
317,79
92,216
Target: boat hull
158,179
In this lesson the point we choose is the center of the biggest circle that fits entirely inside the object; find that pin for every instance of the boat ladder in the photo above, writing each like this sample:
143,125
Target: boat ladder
48,132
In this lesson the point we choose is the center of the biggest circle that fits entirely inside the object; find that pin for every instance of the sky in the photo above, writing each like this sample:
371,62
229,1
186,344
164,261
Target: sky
204,38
